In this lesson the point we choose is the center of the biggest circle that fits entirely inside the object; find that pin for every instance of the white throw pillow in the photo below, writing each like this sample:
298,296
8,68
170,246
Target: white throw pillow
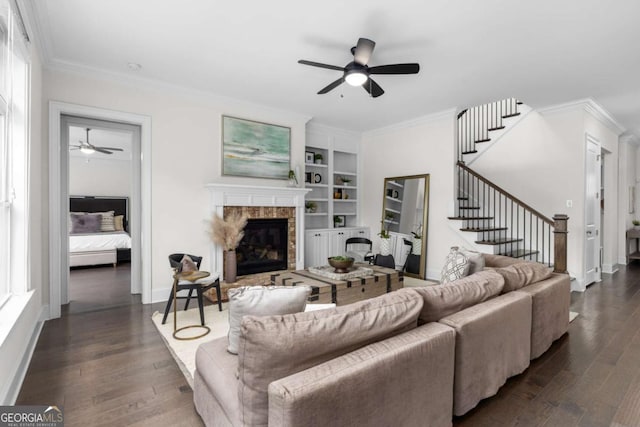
262,301
476,260
456,266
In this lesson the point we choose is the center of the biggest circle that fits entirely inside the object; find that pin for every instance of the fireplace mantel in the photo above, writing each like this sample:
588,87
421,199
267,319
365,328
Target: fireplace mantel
222,195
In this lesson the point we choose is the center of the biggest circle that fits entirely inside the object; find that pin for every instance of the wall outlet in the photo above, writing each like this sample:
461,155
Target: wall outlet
569,203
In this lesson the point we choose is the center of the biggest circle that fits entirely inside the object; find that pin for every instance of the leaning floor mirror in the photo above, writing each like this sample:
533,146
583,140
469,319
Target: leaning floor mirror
405,210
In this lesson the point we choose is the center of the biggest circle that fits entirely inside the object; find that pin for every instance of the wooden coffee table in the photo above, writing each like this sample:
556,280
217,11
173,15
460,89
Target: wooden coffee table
341,292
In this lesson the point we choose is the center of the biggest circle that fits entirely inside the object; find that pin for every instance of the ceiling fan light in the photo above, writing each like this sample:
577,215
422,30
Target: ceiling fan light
356,78
87,150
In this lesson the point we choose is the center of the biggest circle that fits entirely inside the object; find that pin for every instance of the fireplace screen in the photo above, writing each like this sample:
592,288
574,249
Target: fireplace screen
264,246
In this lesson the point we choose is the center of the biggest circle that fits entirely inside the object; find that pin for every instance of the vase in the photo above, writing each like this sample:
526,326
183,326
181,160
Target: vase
385,246
230,266
417,246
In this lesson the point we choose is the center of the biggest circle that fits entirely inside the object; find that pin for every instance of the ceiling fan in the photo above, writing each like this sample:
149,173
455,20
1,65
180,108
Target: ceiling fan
89,148
357,72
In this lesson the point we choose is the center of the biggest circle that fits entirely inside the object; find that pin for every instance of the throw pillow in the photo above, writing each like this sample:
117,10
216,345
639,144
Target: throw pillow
262,301
82,223
441,301
118,222
107,222
187,265
456,266
476,260
519,275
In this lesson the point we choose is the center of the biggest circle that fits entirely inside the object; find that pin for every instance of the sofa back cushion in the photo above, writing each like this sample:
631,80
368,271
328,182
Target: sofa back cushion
274,347
443,300
519,275
492,260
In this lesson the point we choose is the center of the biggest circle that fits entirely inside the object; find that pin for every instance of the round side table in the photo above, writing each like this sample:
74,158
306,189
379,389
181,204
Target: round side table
191,276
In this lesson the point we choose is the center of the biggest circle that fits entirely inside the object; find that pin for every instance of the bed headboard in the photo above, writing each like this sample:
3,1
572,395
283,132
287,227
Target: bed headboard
120,205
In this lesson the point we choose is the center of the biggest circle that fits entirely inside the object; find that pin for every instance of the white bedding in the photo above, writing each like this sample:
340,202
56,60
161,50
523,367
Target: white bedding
99,241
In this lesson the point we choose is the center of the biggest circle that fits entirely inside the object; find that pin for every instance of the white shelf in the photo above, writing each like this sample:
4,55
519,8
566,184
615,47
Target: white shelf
388,221
344,213
346,187
344,173
316,185
392,210
395,184
394,200
345,200
317,200
316,214
316,165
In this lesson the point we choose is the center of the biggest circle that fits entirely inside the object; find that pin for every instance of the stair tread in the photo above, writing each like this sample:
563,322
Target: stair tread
520,253
470,207
480,230
510,115
463,198
482,140
498,241
497,128
469,152
469,217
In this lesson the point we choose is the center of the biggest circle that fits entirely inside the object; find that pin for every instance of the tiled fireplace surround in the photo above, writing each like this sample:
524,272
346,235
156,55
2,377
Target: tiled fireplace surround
262,202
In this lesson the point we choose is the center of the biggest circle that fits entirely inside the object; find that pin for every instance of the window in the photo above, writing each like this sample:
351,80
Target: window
14,107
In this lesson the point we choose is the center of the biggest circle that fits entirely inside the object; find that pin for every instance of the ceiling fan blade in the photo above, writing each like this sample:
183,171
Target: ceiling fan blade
318,64
373,88
331,86
363,51
111,148
395,69
100,150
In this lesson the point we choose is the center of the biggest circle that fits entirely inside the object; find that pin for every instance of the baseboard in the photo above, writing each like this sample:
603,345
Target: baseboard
25,360
577,285
609,268
160,295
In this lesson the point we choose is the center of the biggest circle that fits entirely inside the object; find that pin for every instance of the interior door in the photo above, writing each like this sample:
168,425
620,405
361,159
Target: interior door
592,211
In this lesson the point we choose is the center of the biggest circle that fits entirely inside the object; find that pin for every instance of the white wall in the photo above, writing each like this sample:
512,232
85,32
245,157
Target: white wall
425,146
99,177
186,154
542,161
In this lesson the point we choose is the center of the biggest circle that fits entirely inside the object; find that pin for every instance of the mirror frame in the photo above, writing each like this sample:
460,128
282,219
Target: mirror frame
425,217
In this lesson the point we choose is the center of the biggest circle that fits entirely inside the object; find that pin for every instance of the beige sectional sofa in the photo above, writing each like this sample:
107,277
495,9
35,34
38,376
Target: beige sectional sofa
413,357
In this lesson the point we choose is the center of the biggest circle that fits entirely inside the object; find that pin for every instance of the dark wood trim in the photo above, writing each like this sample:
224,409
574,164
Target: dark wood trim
560,243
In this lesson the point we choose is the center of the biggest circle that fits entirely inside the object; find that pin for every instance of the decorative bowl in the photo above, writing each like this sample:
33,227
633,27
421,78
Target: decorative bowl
341,264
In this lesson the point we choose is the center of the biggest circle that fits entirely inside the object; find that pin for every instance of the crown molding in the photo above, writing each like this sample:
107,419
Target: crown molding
590,106
418,121
630,137
67,67
38,28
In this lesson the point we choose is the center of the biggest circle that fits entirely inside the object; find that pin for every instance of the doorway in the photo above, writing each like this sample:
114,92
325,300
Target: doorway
58,201
593,211
102,186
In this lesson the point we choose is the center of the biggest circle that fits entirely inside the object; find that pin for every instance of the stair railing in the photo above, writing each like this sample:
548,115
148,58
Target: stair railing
523,231
474,124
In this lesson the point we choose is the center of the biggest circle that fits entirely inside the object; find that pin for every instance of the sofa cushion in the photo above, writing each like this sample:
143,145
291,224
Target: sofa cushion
262,301
456,266
277,346
476,260
522,274
491,260
441,301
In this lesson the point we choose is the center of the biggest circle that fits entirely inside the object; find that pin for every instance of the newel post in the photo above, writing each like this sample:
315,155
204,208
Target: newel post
560,243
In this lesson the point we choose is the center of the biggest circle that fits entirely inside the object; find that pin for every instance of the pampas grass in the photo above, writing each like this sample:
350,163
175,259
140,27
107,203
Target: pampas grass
228,232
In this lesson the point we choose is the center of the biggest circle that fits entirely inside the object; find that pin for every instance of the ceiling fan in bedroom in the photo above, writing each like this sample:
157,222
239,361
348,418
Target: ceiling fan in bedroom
357,72
88,148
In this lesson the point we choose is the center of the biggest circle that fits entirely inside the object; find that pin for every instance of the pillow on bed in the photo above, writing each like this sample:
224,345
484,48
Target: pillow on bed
107,223
118,222
85,223
72,213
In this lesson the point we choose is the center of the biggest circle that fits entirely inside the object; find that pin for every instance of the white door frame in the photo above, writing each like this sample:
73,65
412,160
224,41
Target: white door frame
598,277
58,243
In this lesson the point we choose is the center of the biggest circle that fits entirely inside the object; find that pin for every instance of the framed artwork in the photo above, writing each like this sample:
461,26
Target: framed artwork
309,156
255,149
339,221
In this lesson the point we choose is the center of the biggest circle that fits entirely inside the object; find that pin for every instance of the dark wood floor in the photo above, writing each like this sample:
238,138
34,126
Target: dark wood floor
110,367
99,288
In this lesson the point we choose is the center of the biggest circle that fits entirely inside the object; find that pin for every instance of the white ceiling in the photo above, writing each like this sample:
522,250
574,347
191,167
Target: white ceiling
543,52
101,138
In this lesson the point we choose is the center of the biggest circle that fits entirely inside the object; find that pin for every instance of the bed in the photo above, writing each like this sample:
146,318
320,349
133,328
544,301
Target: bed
98,247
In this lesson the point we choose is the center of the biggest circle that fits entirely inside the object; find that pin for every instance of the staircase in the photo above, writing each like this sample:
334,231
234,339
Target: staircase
491,219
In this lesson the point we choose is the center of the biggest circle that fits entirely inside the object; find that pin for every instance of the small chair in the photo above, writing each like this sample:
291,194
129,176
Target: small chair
200,286
359,254
385,261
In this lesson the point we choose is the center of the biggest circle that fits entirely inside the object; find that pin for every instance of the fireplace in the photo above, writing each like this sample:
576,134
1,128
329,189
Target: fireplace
263,247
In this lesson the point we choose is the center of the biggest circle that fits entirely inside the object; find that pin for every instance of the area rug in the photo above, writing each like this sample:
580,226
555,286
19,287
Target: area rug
572,316
184,352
